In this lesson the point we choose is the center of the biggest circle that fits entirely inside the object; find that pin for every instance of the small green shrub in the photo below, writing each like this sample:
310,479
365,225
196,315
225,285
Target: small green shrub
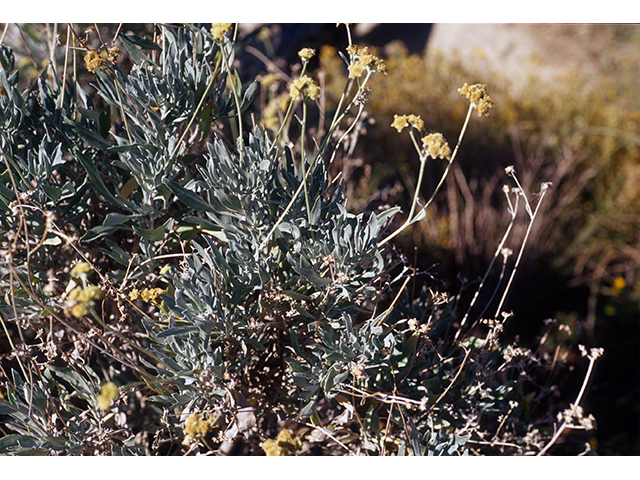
168,295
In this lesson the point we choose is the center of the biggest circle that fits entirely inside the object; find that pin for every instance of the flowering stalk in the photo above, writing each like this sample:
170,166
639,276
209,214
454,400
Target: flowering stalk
370,64
437,147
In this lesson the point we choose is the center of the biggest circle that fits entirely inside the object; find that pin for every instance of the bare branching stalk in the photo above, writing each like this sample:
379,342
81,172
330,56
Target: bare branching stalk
512,211
532,217
574,412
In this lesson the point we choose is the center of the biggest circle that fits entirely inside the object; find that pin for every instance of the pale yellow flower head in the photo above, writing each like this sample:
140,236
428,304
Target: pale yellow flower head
264,34
285,443
362,60
219,29
79,310
400,122
269,79
478,96
93,60
82,268
304,86
108,394
436,146
306,53
113,53
195,428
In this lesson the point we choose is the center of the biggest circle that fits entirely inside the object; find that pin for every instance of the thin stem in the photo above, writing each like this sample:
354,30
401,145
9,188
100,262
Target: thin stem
4,32
512,211
592,359
524,243
236,99
455,152
303,161
423,161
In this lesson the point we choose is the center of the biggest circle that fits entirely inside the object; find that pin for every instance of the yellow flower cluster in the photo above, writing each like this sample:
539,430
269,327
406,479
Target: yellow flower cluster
400,122
269,79
195,427
264,34
362,60
149,295
81,269
304,86
306,53
285,443
94,60
108,393
113,53
478,96
219,29
436,146
79,297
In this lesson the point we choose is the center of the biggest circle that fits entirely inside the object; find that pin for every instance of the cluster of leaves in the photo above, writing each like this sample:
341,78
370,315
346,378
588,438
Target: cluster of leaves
279,310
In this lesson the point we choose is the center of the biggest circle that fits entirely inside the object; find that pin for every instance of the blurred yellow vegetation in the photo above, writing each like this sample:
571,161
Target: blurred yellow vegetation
581,134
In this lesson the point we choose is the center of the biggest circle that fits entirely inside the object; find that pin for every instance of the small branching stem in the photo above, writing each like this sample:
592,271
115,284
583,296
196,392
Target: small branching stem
543,191
512,212
575,406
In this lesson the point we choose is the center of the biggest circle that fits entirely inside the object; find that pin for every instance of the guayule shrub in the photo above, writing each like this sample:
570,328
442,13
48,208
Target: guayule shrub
178,283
